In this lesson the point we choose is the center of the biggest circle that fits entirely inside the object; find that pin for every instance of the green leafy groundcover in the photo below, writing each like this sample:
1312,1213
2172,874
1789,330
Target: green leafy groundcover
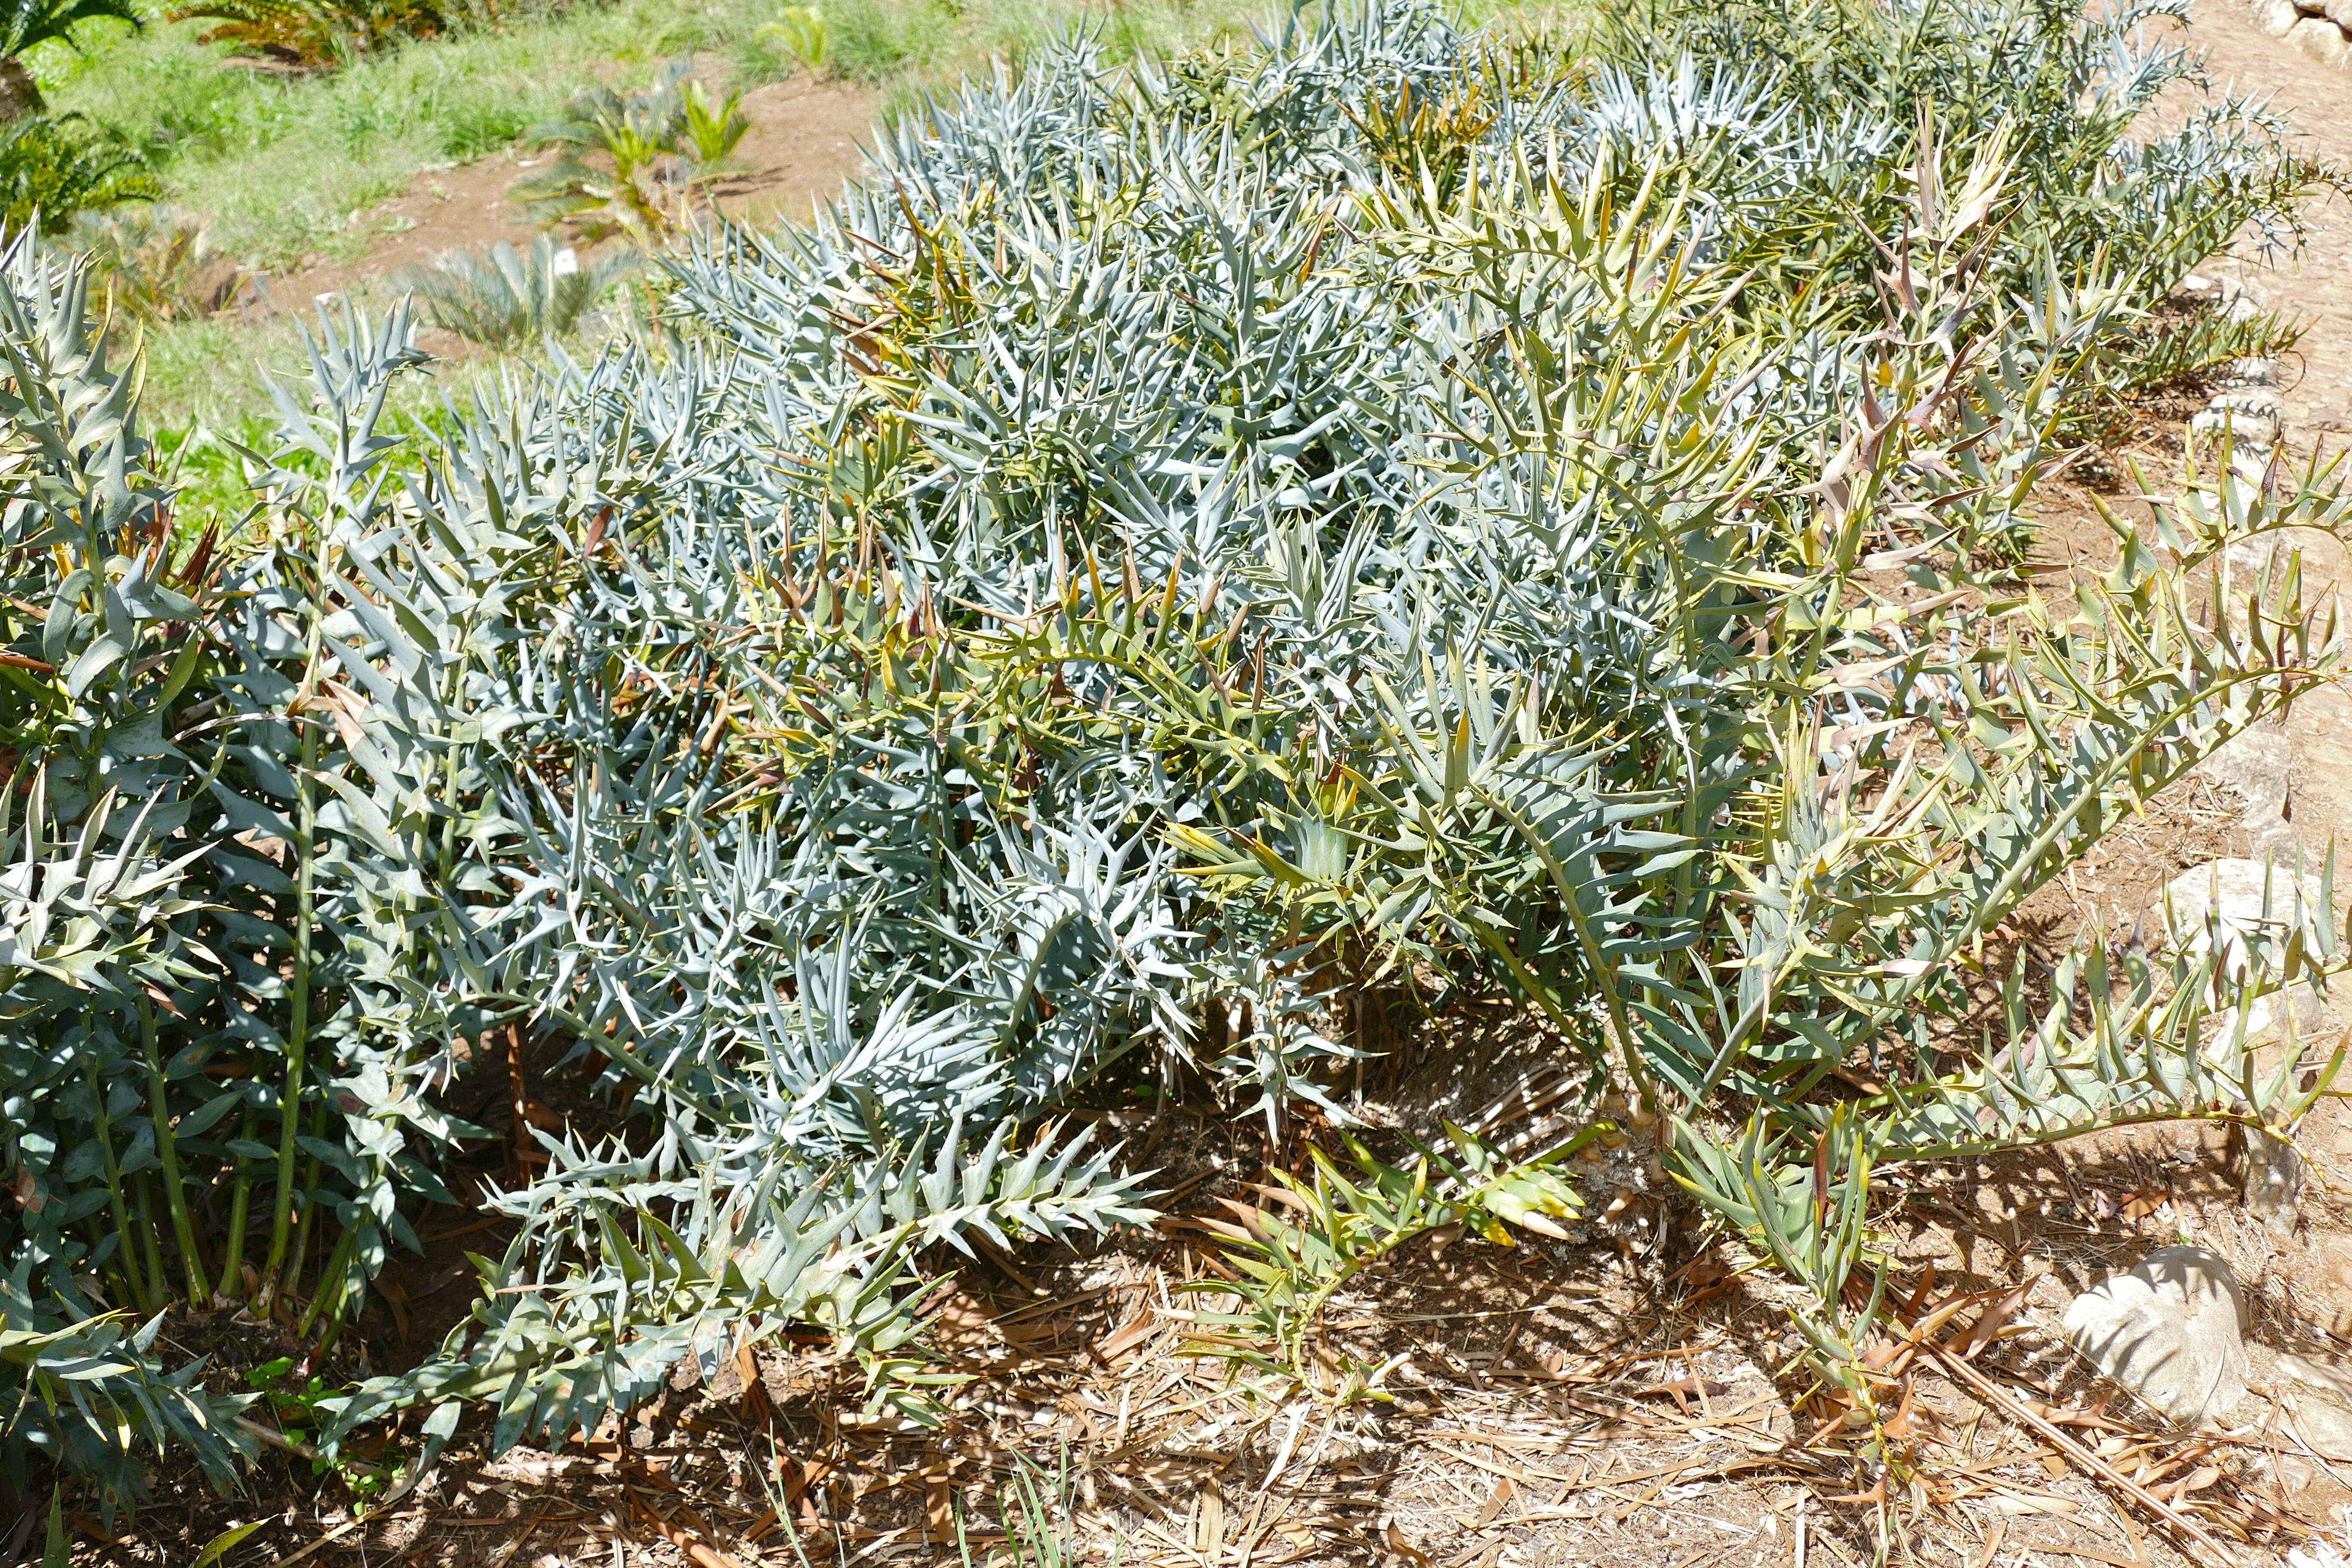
1177,542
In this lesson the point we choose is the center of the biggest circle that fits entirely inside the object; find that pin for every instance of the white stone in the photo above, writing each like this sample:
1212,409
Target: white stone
2228,896
2249,433
2318,35
2276,17
2247,403
2172,1331
2253,556
2340,13
2323,1404
2257,764
2272,1189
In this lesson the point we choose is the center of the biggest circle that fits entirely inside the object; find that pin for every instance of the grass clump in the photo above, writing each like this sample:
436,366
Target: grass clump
286,168
512,297
798,36
1189,542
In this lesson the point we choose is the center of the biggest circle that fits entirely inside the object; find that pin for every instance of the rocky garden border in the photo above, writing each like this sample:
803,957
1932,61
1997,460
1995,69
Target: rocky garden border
2321,27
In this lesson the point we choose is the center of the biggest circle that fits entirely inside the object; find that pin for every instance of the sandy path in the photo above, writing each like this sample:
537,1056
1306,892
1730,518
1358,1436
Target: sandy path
2316,287
806,137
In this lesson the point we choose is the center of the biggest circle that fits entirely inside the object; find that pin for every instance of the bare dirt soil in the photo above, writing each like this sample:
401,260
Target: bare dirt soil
806,137
2316,287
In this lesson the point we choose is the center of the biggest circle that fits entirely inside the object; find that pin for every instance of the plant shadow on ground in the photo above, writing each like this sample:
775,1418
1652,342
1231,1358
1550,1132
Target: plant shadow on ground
1632,1392
1559,1404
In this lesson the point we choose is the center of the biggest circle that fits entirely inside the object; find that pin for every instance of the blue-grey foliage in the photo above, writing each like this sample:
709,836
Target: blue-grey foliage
1176,542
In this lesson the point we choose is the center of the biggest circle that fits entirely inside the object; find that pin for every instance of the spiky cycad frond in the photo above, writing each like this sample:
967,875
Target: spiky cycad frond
1177,542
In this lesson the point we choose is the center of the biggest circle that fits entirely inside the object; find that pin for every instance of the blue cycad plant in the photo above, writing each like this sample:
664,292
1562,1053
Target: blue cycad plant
1175,544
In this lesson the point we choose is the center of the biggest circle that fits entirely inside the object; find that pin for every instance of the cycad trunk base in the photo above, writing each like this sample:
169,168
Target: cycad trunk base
1171,529
297,1032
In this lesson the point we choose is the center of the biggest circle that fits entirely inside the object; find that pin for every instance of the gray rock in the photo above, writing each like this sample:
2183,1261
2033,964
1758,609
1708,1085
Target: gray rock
2251,557
2237,289
2259,763
2318,35
2322,1396
2252,401
2171,1331
2226,897
2251,435
2272,1189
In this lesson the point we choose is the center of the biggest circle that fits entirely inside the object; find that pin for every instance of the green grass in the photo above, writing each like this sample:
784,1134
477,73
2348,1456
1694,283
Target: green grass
286,169
911,47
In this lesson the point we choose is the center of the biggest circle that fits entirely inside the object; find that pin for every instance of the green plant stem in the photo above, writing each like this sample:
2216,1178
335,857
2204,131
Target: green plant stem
167,1150
121,1211
151,1247
309,1199
289,1107
119,1275
1446,1211
1628,1043
240,1205
327,1301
